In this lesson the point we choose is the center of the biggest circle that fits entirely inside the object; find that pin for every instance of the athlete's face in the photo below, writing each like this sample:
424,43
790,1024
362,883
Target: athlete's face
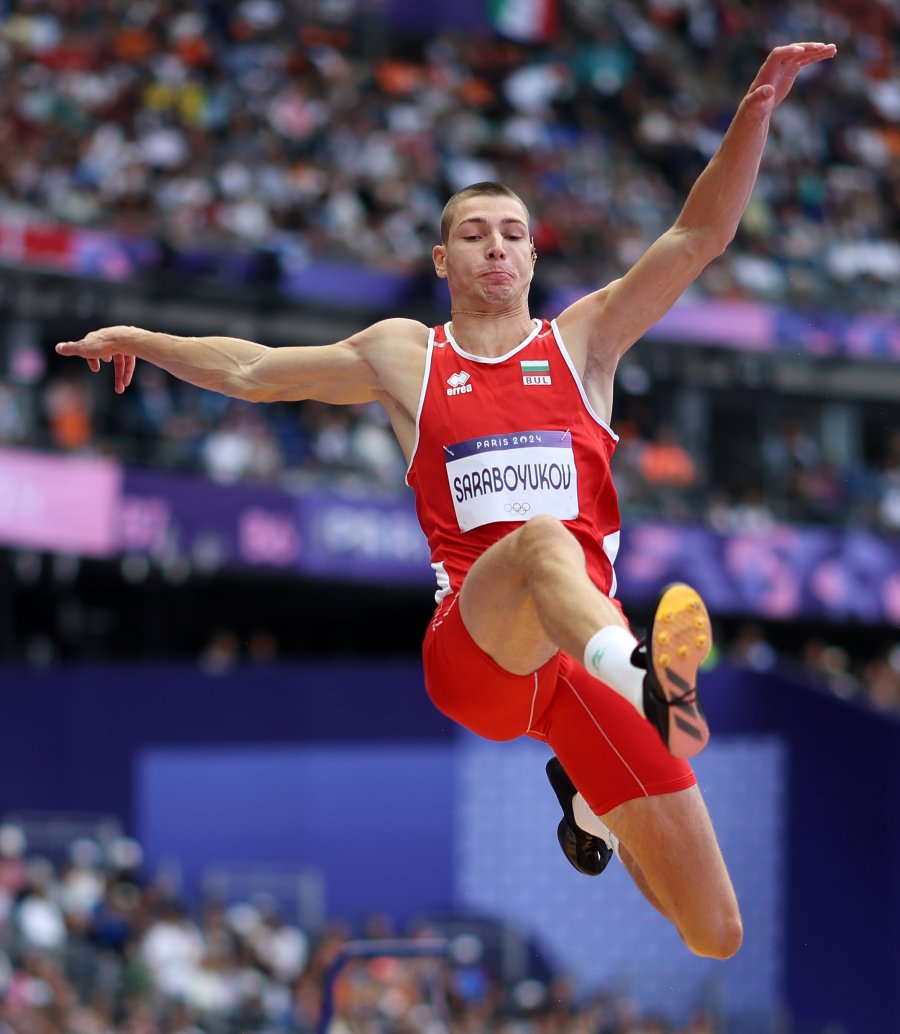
488,255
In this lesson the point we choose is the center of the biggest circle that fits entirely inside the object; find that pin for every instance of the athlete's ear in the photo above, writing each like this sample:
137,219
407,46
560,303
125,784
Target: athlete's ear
533,252
439,257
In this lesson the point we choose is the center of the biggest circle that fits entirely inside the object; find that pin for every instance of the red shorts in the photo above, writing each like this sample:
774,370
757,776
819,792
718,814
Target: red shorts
610,752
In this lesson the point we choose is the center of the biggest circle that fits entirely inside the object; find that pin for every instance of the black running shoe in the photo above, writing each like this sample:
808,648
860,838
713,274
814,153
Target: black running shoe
678,642
587,853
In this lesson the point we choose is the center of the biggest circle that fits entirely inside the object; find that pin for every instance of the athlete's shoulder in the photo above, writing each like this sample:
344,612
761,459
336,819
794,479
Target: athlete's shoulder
582,325
395,330
390,339
396,351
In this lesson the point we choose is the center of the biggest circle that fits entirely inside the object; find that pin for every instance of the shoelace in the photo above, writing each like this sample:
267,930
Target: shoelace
683,698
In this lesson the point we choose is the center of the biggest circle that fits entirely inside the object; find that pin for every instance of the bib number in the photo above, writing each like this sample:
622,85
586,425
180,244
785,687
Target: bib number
512,477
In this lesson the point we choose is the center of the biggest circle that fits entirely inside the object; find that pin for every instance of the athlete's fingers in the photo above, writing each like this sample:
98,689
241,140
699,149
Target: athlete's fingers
119,361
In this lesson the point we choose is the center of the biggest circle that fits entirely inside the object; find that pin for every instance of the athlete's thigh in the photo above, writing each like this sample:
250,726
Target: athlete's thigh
499,612
671,839
471,688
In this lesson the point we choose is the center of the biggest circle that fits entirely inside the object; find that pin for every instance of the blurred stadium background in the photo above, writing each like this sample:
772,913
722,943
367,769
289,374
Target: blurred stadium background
217,761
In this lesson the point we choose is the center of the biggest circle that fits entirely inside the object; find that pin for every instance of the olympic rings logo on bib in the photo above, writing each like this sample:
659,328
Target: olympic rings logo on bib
512,476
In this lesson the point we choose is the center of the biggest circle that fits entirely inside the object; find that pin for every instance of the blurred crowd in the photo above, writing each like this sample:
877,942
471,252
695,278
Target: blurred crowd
783,471
87,946
770,471
311,130
292,132
868,675
318,129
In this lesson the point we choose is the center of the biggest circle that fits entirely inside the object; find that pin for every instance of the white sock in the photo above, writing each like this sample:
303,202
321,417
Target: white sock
607,656
590,823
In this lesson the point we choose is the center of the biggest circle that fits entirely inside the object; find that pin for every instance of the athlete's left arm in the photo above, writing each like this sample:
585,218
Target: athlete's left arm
605,324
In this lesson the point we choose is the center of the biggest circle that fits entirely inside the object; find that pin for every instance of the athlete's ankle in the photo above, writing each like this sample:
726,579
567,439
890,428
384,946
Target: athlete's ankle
591,823
607,656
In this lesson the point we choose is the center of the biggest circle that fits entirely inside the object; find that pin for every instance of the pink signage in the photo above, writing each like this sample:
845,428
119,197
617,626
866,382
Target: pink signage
61,503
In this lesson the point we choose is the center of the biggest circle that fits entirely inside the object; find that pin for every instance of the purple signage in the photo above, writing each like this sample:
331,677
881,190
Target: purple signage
210,525
757,327
786,572
363,539
94,508
345,284
60,503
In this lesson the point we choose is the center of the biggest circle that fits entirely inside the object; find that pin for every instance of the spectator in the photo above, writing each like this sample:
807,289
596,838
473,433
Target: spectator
39,918
172,949
13,872
242,448
668,473
243,140
665,463
889,501
14,424
244,128
752,650
82,885
68,414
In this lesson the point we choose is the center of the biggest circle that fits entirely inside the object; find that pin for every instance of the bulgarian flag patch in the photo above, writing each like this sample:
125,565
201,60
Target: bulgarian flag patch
535,371
528,21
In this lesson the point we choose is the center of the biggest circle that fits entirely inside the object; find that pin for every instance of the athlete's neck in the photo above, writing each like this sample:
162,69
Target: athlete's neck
490,333
490,314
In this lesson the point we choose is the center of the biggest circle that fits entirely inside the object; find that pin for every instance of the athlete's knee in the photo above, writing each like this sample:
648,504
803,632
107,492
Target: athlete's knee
718,936
546,539
543,527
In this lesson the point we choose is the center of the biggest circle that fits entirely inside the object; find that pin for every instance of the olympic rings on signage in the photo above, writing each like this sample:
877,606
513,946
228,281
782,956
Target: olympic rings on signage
517,509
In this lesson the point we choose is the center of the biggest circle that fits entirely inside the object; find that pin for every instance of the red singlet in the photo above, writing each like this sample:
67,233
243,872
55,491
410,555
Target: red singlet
501,440
498,442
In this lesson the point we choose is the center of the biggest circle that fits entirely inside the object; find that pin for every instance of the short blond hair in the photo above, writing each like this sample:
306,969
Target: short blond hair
484,189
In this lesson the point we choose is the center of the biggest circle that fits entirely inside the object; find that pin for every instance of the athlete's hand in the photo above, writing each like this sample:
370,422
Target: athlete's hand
110,345
774,80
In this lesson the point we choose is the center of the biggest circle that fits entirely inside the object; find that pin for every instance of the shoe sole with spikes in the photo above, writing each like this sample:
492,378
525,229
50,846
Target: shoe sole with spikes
679,641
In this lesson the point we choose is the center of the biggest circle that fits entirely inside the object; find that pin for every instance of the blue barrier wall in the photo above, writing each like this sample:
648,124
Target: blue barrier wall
69,736
375,818
601,931
71,739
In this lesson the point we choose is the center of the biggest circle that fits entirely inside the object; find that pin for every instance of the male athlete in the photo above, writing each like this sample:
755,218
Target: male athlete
505,422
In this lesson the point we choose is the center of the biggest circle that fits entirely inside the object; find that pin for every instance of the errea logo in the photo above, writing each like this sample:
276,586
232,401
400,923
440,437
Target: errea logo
459,383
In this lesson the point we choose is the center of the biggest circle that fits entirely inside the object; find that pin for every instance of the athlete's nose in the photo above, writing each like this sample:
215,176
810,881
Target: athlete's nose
495,248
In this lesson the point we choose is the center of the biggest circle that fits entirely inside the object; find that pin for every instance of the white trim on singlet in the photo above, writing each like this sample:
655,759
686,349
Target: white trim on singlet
534,696
560,344
611,549
429,351
440,572
485,359
443,581
610,544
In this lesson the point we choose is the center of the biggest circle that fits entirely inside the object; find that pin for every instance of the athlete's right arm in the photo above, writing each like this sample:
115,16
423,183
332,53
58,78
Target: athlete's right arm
349,371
